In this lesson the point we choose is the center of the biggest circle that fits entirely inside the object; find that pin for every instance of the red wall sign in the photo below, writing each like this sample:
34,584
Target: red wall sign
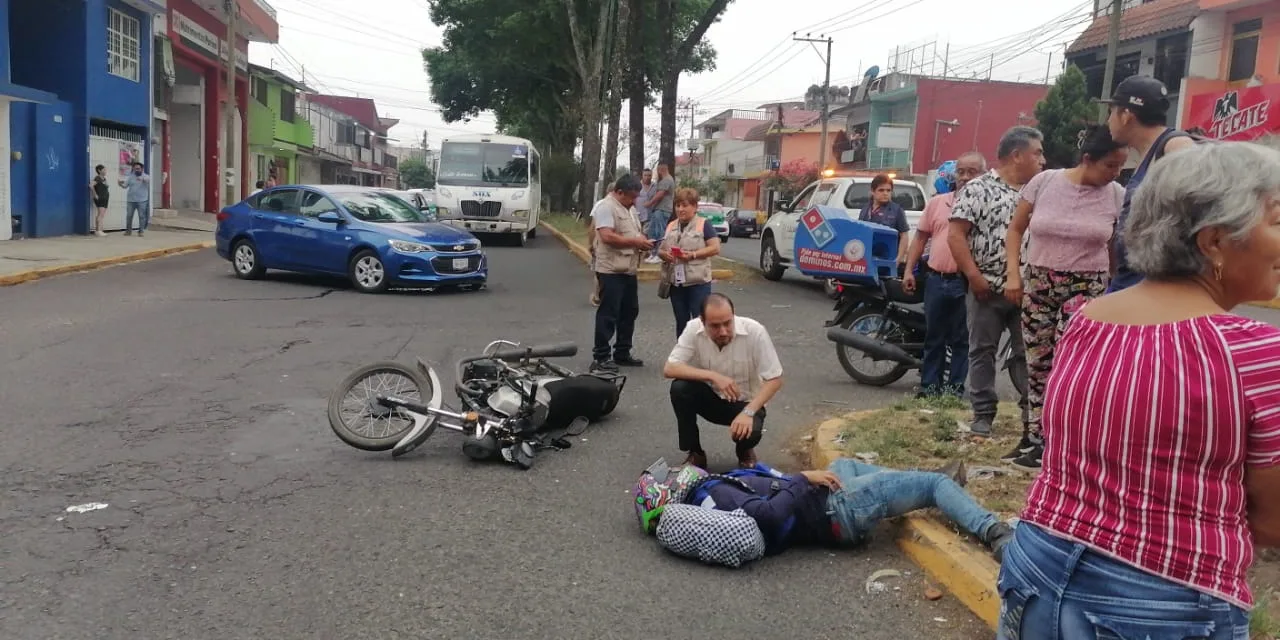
1237,114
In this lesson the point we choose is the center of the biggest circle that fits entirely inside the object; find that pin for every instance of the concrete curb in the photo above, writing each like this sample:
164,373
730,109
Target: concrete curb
645,275
1269,304
967,571
90,265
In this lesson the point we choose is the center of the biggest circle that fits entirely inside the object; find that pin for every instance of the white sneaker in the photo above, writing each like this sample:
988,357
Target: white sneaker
100,233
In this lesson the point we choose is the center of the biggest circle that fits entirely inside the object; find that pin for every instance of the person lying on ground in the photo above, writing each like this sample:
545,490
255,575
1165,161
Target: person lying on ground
839,506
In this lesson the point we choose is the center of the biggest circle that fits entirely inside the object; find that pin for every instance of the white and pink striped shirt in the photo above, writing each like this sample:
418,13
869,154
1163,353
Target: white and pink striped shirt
1148,431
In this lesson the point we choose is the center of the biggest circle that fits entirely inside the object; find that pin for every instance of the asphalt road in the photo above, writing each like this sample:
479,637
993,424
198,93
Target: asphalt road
193,405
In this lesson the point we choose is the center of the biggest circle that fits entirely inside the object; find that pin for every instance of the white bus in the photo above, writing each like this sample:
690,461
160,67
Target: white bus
489,184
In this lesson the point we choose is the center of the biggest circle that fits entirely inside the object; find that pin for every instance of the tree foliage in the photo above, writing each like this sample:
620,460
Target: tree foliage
415,174
1061,114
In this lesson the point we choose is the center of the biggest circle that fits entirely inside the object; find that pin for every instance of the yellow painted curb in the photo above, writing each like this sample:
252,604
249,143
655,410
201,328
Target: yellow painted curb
90,265
966,570
644,275
1270,304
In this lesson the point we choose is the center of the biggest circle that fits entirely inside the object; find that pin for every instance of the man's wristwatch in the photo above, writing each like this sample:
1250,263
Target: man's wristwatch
748,413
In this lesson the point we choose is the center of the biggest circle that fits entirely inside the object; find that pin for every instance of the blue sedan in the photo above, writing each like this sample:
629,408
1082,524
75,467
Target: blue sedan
368,235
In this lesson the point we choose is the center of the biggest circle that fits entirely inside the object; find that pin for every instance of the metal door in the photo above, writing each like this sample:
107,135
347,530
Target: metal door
115,149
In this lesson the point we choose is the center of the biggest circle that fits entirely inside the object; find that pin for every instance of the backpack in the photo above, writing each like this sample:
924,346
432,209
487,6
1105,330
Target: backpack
728,538
700,494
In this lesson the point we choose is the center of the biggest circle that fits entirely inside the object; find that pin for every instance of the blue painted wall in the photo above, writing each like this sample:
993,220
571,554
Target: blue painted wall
111,97
50,58
42,182
4,48
67,56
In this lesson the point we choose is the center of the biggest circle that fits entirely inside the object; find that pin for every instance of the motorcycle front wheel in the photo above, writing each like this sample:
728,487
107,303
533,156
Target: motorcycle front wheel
871,322
360,421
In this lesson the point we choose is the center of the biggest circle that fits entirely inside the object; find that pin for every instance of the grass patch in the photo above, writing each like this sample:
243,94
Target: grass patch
923,434
577,231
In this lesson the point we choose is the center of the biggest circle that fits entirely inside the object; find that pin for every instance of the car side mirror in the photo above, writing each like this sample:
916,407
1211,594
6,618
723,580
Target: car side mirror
784,205
330,217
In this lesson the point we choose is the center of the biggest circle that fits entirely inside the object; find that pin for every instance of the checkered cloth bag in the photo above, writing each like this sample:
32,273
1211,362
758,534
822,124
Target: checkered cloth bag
729,538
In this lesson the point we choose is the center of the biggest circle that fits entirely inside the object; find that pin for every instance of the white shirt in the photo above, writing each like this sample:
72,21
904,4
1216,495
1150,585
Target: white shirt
749,359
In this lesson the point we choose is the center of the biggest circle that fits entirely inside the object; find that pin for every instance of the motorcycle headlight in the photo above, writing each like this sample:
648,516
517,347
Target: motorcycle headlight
408,247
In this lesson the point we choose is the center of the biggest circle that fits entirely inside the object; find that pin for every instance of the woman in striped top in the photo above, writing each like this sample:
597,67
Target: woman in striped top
1162,422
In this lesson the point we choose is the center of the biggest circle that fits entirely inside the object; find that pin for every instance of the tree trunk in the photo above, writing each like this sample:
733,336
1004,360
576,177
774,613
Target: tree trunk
636,97
589,55
671,78
617,84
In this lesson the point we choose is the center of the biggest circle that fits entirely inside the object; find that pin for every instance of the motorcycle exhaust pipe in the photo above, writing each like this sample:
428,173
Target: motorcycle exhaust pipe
875,348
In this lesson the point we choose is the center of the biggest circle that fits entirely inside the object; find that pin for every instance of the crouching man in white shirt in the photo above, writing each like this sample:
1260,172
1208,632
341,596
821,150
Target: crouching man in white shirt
723,368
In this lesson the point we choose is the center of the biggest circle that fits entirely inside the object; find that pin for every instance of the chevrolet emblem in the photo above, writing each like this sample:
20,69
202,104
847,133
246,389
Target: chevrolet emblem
459,247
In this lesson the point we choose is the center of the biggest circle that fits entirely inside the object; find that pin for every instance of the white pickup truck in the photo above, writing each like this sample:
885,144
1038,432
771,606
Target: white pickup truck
777,241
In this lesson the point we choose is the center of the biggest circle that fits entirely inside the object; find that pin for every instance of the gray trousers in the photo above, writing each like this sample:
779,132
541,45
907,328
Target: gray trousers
988,320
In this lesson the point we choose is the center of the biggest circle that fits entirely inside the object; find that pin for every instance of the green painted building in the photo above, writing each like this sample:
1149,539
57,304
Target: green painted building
276,129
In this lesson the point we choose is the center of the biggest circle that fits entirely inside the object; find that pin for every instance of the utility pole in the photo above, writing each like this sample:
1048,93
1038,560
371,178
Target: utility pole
229,165
1048,66
826,97
1113,43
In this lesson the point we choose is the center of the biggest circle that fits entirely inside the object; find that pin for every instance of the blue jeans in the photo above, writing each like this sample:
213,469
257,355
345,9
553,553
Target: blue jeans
871,494
143,210
945,327
686,302
657,227
1053,588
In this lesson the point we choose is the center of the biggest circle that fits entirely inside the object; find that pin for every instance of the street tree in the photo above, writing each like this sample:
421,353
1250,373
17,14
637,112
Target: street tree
1060,116
417,175
679,48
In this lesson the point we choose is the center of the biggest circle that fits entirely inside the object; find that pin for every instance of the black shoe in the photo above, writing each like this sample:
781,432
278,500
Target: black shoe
604,365
956,471
998,537
628,361
1025,445
1030,460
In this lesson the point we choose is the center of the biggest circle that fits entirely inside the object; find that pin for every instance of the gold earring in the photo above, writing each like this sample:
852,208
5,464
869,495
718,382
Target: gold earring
1217,271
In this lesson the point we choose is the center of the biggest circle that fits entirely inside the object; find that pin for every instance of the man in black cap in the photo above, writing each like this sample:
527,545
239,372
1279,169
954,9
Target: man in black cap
1137,118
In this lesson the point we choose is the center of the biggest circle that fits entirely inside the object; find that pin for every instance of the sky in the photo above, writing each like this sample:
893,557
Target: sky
371,49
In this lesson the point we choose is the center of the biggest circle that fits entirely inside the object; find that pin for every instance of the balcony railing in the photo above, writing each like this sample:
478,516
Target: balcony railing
888,159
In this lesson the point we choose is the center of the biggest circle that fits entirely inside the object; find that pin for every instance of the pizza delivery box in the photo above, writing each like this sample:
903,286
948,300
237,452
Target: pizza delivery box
831,243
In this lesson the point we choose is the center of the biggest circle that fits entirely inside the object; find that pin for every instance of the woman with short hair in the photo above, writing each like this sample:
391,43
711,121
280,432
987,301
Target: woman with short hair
687,248
1162,422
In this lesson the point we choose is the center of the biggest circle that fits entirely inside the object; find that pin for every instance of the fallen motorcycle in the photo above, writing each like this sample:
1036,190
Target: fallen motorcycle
514,402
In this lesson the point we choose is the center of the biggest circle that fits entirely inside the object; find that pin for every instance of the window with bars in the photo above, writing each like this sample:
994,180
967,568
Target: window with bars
123,45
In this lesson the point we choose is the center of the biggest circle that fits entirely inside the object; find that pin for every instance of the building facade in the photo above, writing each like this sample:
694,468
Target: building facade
193,103
360,137
75,92
1233,84
278,128
910,124
1155,39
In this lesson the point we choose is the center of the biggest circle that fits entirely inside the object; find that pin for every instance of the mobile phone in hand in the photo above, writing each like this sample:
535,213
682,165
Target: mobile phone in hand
677,252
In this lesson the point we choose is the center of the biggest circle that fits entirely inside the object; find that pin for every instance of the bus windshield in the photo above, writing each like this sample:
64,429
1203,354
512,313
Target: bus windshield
483,164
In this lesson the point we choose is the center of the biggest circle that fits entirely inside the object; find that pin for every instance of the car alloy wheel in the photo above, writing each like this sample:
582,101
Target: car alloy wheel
245,259
369,272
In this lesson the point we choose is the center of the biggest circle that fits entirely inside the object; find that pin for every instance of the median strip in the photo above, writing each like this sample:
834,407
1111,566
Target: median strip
647,272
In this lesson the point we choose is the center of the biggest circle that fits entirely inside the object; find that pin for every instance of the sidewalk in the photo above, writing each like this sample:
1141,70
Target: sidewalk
25,260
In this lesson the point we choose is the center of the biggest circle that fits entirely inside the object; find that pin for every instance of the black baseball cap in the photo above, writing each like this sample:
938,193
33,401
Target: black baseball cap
1141,94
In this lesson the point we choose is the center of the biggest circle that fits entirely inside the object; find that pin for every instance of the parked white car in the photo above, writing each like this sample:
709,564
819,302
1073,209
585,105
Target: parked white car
852,193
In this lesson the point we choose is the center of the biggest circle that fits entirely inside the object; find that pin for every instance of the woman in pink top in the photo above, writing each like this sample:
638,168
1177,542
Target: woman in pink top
1162,422
1071,214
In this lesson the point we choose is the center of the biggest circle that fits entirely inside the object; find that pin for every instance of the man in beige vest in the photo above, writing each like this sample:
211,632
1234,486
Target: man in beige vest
619,244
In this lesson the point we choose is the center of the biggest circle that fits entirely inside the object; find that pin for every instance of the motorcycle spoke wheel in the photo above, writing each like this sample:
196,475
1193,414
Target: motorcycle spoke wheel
359,420
864,368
